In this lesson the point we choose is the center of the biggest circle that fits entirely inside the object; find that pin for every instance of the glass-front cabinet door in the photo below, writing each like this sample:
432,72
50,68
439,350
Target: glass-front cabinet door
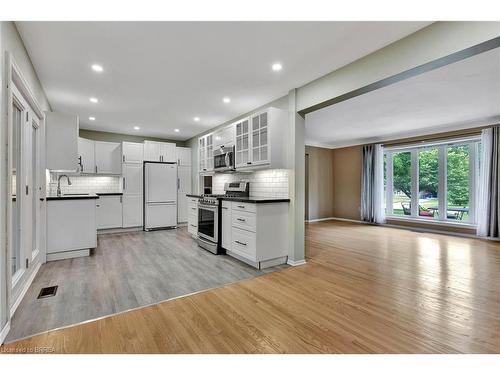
260,148
210,153
202,155
243,157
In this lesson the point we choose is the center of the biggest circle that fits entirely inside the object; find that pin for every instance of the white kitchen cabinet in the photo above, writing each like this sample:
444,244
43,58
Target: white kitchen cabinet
259,233
132,210
109,212
132,178
167,152
224,136
108,157
61,141
242,144
71,227
183,156
226,225
183,188
86,156
159,151
206,153
132,152
259,139
193,216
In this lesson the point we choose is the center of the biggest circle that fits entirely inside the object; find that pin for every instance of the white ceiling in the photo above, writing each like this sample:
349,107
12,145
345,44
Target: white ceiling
449,98
159,75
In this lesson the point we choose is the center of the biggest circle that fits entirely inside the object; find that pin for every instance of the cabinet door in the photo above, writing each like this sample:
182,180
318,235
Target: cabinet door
109,212
182,207
132,178
226,225
132,152
108,157
160,215
183,156
61,137
132,210
152,151
86,155
167,152
243,156
202,153
210,153
260,139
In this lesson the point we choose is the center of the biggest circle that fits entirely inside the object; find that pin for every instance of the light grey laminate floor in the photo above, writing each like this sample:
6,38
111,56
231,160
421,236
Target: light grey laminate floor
125,271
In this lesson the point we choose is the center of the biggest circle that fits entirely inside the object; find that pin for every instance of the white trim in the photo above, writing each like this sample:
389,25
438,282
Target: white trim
4,332
434,231
433,143
295,263
320,219
339,219
27,284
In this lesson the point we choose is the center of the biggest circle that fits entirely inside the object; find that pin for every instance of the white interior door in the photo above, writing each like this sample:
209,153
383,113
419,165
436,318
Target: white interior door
161,183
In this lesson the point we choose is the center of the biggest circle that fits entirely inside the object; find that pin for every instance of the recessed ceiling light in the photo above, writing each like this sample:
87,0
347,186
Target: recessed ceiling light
226,100
176,130
277,67
97,68
196,119
94,100
136,127
92,118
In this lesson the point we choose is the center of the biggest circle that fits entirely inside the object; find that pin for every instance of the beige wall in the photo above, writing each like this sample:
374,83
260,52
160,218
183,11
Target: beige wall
115,137
319,183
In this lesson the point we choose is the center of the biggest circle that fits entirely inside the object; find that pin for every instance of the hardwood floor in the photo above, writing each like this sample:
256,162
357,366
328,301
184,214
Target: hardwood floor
126,271
364,289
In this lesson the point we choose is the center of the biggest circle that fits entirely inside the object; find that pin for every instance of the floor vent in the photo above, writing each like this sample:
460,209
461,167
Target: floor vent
49,291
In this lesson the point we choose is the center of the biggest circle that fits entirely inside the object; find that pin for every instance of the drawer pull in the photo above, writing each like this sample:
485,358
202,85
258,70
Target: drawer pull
241,206
224,208
239,219
193,208
240,243
194,226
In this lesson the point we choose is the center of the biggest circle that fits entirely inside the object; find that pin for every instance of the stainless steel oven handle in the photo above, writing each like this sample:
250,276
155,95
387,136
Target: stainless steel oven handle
211,208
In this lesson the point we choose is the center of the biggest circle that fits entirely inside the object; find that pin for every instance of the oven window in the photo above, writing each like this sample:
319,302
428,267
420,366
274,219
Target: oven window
206,222
219,161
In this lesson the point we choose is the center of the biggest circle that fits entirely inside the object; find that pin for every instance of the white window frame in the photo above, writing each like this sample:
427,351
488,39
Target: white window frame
442,147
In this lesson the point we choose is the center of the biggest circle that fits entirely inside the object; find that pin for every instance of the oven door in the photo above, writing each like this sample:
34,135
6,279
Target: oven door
208,222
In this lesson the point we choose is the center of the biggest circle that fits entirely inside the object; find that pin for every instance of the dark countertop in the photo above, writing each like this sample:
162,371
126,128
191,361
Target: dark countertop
77,196
251,199
109,194
256,199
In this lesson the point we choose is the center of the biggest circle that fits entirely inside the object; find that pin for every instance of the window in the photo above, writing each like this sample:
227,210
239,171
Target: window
433,181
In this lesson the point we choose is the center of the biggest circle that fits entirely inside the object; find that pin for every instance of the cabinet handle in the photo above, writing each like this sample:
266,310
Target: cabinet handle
241,206
178,183
98,205
123,158
224,208
193,208
96,169
121,199
240,243
249,162
239,219
123,183
194,226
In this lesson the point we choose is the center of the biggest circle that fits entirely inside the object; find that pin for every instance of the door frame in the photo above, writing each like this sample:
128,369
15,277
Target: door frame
16,86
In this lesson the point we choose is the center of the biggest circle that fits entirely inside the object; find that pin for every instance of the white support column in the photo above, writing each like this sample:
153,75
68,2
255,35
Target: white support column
296,181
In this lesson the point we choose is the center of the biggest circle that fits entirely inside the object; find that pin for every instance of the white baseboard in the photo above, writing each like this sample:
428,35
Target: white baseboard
119,230
25,289
4,332
337,218
295,263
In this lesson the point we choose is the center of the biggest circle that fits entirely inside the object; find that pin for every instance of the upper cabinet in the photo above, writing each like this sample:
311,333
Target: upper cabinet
86,156
96,157
260,141
132,152
108,157
206,153
183,156
61,137
159,151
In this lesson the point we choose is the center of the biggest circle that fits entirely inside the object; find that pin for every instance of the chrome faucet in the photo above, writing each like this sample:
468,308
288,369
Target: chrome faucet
59,183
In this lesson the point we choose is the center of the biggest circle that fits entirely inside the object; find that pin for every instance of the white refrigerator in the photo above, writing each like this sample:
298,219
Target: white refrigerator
160,195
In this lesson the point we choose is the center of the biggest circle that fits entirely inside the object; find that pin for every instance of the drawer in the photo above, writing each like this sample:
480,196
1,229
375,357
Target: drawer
192,228
241,206
244,220
192,209
226,204
192,200
244,244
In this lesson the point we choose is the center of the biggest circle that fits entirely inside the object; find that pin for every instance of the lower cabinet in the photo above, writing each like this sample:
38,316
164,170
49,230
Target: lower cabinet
193,216
109,212
132,210
256,233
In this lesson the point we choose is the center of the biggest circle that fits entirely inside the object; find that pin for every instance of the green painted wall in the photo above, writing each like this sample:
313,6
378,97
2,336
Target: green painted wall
115,137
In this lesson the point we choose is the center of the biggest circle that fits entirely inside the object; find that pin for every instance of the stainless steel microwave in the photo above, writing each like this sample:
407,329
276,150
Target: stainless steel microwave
224,159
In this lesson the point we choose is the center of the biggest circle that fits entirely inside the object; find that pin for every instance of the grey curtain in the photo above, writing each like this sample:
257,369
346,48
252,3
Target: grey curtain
489,201
367,184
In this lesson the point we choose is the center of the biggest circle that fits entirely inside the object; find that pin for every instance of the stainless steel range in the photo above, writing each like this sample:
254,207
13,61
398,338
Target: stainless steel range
210,215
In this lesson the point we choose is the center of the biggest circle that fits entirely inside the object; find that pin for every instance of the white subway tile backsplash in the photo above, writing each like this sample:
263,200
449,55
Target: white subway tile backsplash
269,183
85,184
